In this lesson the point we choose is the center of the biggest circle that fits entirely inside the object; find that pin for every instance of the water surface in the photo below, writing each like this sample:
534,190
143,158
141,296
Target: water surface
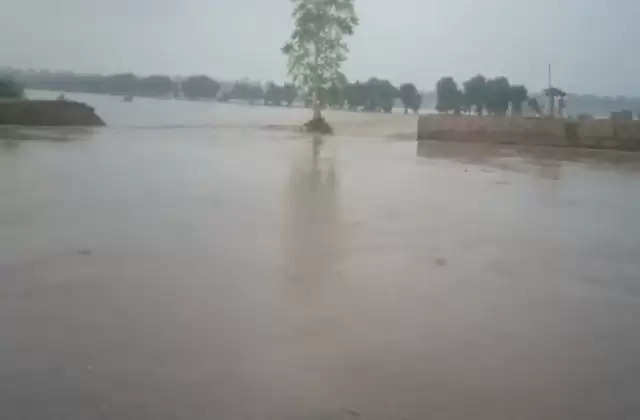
187,263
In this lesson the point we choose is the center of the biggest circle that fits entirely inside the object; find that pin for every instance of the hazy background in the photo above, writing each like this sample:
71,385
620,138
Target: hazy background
591,44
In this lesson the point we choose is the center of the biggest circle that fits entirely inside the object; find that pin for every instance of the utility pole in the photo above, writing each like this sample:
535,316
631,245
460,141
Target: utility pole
552,99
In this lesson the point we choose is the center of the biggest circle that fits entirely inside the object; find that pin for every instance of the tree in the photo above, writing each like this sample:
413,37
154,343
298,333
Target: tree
552,93
246,91
449,96
317,48
121,84
518,95
410,97
200,87
155,86
273,94
498,96
380,95
355,95
336,94
289,93
475,93
535,106
9,88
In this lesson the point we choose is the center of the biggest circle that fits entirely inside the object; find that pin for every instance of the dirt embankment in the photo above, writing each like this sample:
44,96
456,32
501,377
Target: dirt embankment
597,134
48,113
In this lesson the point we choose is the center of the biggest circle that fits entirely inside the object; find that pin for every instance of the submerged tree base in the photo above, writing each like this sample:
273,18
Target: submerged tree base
318,125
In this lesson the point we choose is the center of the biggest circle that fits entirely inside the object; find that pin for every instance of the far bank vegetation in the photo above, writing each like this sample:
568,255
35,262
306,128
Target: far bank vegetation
372,95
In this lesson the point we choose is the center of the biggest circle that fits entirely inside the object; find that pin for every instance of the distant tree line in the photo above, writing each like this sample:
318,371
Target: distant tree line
272,94
277,95
194,87
374,95
9,88
479,94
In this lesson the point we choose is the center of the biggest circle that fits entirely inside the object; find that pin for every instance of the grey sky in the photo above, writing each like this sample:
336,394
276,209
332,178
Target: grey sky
592,44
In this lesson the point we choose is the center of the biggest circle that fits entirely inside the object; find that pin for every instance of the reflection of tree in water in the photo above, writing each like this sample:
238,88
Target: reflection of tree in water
313,294
312,238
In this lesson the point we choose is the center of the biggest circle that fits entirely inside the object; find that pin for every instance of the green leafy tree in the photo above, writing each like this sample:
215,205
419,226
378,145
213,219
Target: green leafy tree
518,95
450,98
317,48
498,96
411,99
380,95
475,93
200,87
9,88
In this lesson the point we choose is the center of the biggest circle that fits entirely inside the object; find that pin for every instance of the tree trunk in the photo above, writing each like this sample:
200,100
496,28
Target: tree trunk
317,113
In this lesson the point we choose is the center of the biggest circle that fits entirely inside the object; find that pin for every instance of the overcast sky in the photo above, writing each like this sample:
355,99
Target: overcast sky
592,44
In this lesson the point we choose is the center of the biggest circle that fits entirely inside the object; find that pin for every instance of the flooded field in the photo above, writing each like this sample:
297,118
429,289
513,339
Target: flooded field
201,260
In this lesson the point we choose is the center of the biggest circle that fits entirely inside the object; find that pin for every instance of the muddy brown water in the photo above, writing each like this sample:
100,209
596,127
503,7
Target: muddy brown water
187,263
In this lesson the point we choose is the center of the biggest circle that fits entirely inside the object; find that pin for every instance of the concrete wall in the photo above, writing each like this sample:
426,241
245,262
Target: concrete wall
34,113
557,132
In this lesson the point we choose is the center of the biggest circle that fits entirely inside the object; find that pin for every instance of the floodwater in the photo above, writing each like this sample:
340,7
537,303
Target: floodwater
188,262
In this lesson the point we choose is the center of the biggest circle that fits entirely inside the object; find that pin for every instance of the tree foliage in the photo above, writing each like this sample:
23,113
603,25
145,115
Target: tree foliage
276,95
289,93
246,91
121,84
411,99
336,93
355,95
449,96
535,106
498,96
316,49
380,95
475,93
200,87
518,95
155,86
273,94
335,96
